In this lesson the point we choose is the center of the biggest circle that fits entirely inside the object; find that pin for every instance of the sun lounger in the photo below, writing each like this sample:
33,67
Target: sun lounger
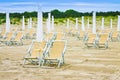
2,33
35,53
7,38
56,53
74,32
90,40
102,41
17,40
30,33
81,35
115,35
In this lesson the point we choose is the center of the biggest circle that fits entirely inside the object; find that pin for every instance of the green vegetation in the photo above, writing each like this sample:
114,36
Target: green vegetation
61,17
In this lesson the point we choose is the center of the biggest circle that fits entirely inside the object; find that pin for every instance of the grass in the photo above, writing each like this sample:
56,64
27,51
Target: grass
62,21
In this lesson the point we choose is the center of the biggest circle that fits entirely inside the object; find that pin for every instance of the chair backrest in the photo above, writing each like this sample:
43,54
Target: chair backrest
74,31
60,36
66,30
31,31
115,33
3,32
58,49
9,35
37,48
19,36
38,45
103,38
49,36
81,33
106,31
92,35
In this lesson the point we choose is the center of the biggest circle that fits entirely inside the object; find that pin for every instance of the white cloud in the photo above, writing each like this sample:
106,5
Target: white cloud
79,6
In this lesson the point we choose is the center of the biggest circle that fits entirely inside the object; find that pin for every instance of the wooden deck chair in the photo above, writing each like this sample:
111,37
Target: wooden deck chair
106,31
7,39
56,53
2,33
81,35
18,39
89,31
26,34
115,35
67,31
60,36
74,32
32,34
35,53
102,41
90,39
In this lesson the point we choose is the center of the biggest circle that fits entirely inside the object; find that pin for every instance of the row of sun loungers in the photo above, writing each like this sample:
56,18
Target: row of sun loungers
97,40
113,34
12,38
47,52
100,39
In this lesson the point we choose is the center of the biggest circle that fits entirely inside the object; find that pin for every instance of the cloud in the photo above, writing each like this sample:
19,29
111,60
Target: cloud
79,6
90,4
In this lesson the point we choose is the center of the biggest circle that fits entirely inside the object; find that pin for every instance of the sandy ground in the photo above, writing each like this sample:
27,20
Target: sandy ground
81,63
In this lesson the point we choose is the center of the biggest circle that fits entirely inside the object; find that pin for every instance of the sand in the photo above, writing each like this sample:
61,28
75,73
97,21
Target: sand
81,63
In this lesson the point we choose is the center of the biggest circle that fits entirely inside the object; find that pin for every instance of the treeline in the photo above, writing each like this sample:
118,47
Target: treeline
59,14
73,13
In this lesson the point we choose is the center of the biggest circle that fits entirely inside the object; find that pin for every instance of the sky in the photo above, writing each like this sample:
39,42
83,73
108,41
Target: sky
62,5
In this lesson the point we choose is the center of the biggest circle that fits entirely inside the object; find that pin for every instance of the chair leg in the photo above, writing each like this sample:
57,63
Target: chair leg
39,60
59,63
106,45
24,62
63,61
43,62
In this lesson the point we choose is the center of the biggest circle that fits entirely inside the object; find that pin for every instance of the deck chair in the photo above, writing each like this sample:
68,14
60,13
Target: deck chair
18,39
25,32
67,31
81,35
102,41
115,35
106,31
7,39
56,53
60,36
90,39
32,34
35,53
2,33
74,32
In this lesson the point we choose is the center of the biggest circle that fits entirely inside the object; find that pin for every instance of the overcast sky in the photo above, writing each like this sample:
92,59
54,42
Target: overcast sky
62,5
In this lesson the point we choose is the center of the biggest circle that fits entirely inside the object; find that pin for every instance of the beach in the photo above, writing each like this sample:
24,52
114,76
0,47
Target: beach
81,63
